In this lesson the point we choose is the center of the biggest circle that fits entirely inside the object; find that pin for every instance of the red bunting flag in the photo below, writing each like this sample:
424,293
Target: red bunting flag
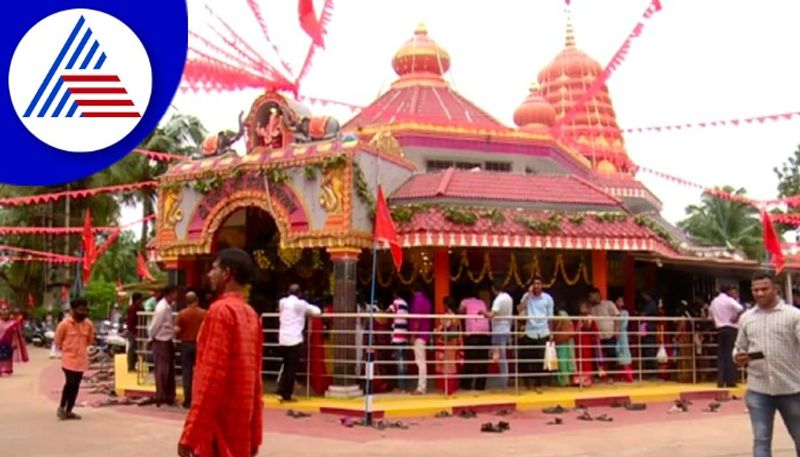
142,270
309,22
89,248
31,302
385,231
772,242
64,294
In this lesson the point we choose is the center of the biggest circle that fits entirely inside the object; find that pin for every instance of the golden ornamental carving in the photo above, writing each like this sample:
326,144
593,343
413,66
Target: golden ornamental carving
172,209
385,142
332,186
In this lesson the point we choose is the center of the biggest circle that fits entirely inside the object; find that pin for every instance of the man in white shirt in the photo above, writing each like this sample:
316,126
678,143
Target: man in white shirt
293,311
725,310
502,310
768,344
161,332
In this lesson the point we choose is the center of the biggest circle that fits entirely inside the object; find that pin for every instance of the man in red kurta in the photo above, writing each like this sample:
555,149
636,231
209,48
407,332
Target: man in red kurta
225,416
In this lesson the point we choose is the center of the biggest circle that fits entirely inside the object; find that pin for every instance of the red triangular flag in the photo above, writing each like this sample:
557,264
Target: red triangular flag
772,242
385,231
89,249
64,294
141,268
31,302
309,22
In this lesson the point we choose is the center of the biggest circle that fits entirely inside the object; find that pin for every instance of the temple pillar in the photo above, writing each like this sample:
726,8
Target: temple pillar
344,301
629,281
600,272
441,278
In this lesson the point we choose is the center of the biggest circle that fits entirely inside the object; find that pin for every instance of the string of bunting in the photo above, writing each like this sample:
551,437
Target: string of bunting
34,252
30,259
74,194
160,156
324,19
613,64
325,102
263,25
67,230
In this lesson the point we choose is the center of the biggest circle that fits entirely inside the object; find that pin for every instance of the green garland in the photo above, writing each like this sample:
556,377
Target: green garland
576,219
459,216
207,185
661,232
362,190
310,172
610,217
541,226
337,161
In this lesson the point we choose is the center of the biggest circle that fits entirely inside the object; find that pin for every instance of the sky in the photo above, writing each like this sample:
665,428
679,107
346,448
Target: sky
696,60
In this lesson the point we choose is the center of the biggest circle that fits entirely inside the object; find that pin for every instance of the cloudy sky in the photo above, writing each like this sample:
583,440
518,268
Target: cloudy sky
696,61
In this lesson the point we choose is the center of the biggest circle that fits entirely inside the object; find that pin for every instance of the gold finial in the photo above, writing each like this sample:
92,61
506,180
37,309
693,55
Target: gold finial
421,29
534,87
570,40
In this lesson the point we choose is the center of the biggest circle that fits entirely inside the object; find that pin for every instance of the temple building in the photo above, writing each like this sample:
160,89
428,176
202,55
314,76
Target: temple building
473,199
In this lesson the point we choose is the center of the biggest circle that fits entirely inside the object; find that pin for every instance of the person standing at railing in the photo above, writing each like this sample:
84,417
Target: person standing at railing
187,326
293,311
502,310
564,337
647,336
539,307
399,308
606,313
725,310
768,344
449,348
477,343
161,334
132,328
588,351
419,329
624,358
226,414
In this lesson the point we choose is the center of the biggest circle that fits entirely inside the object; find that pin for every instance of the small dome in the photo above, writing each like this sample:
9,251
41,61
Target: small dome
209,145
534,112
604,166
420,54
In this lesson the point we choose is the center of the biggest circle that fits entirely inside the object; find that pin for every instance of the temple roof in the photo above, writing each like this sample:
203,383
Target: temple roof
485,186
563,82
421,94
512,228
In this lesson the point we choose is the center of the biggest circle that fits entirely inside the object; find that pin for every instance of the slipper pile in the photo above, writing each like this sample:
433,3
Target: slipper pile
297,414
500,427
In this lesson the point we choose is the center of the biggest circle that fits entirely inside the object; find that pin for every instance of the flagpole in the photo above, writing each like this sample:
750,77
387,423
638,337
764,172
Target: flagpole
370,358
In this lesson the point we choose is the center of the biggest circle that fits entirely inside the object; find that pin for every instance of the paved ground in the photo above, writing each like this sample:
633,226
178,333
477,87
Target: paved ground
29,428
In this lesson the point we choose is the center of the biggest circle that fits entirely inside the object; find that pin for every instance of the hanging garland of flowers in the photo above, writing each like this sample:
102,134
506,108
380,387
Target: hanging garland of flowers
362,190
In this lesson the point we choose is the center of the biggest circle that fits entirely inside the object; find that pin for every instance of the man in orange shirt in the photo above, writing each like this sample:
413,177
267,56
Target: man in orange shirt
187,326
73,336
225,416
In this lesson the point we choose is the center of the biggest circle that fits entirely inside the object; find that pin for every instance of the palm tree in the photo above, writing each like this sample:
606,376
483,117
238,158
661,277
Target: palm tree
722,222
180,135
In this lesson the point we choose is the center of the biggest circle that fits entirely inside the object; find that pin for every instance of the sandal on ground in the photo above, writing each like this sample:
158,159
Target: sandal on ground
504,412
503,426
556,421
558,409
585,416
490,428
442,414
467,414
604,418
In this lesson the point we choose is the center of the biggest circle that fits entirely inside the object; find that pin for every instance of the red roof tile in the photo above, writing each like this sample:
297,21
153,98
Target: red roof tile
482,185
427,104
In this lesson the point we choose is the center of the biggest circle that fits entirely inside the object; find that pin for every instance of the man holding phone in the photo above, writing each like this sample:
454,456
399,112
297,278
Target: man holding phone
768,344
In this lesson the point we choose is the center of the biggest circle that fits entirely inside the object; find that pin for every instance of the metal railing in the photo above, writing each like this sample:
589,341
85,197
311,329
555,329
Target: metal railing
456,358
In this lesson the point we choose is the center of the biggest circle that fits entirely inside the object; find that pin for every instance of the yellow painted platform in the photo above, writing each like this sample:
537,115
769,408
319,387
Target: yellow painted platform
401,405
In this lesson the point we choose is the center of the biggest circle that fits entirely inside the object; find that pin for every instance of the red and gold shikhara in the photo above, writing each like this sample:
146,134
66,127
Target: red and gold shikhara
472,199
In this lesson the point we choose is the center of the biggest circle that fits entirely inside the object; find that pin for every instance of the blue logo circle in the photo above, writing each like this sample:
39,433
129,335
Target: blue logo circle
87,82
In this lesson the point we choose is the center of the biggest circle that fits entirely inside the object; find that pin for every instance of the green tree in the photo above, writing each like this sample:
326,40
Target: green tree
119,261
721,222
180,135
101,296
788,174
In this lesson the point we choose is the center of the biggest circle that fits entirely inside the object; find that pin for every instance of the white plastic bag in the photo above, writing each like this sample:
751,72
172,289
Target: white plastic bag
550,357
661,356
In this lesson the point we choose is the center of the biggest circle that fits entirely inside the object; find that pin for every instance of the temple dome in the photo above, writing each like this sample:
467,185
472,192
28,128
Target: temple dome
564,81
535,113
421,57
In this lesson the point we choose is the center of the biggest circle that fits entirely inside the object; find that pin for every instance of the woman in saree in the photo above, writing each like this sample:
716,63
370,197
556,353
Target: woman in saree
449,348
564,337
684,344
12,342
588,346
624,358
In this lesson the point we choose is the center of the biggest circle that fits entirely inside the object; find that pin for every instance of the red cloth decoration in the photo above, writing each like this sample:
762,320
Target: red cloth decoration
385,230
772,242
82,193
141,268
309,22
31,302
324,18
64,294
89,247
